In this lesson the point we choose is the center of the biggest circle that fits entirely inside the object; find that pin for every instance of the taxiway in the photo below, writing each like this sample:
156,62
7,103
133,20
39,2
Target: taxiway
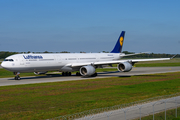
59,78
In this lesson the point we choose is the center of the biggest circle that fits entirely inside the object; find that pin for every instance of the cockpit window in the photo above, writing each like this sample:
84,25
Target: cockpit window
9,60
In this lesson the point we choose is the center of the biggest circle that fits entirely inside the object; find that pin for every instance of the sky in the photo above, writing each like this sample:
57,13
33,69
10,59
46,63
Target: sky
89,25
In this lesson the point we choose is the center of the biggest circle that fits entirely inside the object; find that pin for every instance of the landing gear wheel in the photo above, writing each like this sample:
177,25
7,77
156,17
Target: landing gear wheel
78,74
17,77
66,73
94,75
69,73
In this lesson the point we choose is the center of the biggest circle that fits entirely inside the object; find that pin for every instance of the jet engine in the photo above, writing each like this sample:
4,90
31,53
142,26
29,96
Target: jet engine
40,73
87,70
124,67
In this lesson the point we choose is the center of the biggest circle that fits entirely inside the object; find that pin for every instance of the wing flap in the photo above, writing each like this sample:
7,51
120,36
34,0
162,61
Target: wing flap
143,60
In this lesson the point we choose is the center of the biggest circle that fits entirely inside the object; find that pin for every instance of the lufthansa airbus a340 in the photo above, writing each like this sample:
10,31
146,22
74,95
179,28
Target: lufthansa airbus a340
85,63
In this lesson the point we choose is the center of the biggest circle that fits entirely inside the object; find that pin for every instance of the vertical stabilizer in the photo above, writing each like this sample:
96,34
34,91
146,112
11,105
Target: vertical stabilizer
119,44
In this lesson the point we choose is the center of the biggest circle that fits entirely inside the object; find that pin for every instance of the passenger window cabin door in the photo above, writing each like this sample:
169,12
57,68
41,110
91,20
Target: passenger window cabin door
58,59
21,60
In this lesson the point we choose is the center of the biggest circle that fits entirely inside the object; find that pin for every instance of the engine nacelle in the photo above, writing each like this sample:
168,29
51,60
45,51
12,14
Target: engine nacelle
39,73
124,67
87,70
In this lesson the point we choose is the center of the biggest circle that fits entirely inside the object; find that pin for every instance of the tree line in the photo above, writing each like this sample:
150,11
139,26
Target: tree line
4,54
151,55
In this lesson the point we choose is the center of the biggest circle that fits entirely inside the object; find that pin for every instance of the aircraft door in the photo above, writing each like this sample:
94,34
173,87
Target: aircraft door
21,60
97,58
58,59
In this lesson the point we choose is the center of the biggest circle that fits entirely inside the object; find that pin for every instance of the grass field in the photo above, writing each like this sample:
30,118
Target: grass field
48,100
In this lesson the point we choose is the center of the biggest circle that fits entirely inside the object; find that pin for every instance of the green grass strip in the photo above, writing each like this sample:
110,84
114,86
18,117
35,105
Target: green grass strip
49,100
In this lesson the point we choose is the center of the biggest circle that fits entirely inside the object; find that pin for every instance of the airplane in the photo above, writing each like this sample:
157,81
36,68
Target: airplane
84,63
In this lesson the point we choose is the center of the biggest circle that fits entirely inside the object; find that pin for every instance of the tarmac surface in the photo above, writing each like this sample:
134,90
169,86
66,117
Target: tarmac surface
59,78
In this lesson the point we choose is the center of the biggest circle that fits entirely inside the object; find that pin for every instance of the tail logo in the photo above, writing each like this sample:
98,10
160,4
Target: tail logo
119,43
121,40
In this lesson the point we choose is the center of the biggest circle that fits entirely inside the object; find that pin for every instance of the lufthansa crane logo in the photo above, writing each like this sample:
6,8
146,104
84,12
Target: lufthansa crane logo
121,40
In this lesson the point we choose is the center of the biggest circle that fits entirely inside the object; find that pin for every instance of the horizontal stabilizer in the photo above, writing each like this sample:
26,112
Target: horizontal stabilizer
134,54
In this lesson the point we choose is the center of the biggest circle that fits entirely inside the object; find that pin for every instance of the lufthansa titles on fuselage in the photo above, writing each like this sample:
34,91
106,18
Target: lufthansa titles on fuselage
33,57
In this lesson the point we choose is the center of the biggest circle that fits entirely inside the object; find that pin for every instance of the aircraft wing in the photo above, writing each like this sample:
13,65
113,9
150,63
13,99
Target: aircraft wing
154,59
143,60
114,62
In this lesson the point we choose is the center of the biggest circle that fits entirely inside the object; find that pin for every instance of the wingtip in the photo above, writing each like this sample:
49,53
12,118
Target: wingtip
173,56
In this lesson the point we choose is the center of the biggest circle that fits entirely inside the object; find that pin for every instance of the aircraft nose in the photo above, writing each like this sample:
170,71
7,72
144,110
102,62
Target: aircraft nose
2,65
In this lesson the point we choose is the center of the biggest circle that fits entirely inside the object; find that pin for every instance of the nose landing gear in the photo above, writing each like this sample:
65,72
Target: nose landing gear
17,77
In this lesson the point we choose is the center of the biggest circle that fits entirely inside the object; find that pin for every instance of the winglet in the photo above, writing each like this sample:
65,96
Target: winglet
119,44
173,56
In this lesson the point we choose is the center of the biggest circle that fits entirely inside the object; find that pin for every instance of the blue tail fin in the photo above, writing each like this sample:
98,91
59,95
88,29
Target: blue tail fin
119,44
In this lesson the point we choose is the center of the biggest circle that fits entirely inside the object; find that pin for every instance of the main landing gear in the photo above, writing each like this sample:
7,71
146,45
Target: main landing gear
94,75
66,73
69,74
17,77
78,74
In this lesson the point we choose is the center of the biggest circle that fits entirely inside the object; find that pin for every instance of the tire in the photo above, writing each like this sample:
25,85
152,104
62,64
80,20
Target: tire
94,75
69,73
17,78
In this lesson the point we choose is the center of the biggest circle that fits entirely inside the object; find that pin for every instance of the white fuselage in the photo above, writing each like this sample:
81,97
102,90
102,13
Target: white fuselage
49,62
